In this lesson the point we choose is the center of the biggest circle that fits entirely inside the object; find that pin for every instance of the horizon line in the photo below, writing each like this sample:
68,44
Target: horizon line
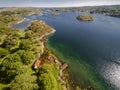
57,6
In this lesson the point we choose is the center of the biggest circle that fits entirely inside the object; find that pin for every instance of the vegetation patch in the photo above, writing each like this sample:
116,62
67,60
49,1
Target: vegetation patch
85,17
19,50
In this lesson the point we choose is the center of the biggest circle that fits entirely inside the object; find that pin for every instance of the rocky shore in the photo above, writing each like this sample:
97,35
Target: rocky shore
52,58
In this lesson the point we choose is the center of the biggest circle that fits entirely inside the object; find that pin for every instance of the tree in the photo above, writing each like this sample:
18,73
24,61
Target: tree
3,52
39,28
24,82
12,66
10,42
20,52
25,44
45,80
16,33
26,56
28,34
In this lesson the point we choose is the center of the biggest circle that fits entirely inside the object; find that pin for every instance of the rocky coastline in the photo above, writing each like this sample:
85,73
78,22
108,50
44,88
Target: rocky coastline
61,66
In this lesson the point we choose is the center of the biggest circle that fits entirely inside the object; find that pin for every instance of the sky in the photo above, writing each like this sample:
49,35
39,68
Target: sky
56,3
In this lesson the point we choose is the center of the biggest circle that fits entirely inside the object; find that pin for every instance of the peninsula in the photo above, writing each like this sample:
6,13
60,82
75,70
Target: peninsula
25,63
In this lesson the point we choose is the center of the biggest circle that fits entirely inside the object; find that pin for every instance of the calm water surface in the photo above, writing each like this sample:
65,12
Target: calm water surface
92,49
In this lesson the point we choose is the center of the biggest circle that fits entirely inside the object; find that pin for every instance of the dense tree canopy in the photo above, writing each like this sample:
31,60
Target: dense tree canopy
10,42
24,82
39,28
3,52
27,57
48,78
25,44
18,50
28,34
12,66
45,81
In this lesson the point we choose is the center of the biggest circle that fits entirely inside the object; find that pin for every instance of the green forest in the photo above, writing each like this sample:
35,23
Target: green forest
19,50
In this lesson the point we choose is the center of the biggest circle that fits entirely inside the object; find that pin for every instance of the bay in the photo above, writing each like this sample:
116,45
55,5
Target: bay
92,49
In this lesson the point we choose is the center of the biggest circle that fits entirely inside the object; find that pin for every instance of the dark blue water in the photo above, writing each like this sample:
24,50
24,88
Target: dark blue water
92,49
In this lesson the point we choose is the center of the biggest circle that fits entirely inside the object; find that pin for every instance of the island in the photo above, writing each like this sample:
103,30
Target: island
54,13
85,17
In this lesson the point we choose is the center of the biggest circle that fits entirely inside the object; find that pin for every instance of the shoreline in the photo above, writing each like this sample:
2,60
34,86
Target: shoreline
17,22
43,43
57,62
22,19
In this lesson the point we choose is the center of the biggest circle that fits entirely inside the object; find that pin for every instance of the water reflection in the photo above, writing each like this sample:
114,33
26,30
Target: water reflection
111,72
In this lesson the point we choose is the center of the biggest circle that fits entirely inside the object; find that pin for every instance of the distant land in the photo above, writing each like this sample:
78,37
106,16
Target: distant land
110,10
